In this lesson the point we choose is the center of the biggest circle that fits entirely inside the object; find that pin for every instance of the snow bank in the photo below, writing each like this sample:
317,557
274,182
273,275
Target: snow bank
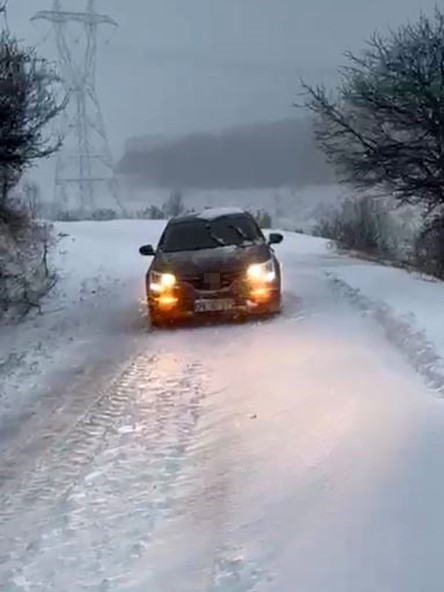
302,244
96,301
410,307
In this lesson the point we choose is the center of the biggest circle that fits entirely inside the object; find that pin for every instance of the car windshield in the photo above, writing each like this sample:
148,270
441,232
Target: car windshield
198,234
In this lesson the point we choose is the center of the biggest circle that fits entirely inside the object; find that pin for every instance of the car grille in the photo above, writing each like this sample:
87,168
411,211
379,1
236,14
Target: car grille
212,280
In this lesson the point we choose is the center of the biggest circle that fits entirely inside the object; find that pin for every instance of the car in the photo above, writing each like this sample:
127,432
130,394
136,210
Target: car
217,261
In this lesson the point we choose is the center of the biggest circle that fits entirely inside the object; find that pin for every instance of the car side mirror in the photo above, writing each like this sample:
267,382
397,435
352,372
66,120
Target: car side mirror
147,251
275,238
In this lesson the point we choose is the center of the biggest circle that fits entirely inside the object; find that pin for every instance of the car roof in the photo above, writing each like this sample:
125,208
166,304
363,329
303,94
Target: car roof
209,214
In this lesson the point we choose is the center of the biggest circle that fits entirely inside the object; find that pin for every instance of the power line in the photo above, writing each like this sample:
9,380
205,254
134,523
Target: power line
84,164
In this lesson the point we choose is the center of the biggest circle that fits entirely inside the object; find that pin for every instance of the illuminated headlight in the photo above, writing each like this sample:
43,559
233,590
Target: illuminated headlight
262,272
159,282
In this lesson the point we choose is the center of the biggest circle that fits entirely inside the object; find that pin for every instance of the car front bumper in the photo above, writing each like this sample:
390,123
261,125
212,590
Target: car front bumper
186,302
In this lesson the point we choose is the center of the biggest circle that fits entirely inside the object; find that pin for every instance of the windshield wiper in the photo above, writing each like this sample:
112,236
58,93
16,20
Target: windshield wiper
217,239
242,234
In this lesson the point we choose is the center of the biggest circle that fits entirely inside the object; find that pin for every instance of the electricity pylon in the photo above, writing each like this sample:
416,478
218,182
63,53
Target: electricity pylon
84,164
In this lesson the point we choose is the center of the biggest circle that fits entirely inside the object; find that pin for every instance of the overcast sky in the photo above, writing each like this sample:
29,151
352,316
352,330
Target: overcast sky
175,66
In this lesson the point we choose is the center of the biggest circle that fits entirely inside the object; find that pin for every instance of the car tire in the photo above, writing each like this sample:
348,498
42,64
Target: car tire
276,306
156,320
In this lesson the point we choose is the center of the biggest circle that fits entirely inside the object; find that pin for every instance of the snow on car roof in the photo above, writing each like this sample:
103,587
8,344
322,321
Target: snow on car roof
212,213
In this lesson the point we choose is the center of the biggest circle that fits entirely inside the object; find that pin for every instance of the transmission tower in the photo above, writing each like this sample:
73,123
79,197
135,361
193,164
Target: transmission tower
84,166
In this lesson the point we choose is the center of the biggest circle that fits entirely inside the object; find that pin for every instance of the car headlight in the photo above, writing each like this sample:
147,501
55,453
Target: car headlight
160,282
262,272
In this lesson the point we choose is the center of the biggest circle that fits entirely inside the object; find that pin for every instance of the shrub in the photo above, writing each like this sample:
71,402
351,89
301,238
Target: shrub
429,248
25,275
174,206
104,214
263,218
31,199
362,224
151,213
67,215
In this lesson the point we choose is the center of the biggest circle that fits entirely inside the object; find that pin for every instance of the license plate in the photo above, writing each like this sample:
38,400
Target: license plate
214,305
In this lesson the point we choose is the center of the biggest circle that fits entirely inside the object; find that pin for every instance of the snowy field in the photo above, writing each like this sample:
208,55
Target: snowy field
301,453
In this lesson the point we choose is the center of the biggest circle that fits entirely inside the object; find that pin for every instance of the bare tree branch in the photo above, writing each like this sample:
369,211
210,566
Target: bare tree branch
384,127
31,96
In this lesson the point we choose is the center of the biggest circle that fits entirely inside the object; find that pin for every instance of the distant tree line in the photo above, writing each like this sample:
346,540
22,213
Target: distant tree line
265,155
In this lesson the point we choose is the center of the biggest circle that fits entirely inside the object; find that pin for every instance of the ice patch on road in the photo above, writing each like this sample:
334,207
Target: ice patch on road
401,331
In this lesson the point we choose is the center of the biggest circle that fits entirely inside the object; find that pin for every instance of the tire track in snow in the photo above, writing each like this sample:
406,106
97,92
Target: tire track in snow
34,433
131,479
26,511
98,500
60,466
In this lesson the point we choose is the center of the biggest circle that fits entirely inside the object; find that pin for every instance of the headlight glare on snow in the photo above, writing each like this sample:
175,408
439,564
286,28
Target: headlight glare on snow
160,282
261,272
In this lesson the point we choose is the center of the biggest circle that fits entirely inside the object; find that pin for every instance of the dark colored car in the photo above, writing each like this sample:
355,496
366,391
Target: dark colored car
217,261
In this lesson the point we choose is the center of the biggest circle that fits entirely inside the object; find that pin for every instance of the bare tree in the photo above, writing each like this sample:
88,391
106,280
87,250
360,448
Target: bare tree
29,100
32,198
384,127
3,7
174,206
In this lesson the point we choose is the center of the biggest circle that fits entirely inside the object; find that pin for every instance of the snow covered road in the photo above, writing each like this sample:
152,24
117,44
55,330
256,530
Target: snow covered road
301,453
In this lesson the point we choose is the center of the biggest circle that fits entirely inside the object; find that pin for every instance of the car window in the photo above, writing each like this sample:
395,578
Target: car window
193,235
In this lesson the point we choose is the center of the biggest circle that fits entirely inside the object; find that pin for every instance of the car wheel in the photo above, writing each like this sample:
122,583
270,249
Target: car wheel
156,320
275,306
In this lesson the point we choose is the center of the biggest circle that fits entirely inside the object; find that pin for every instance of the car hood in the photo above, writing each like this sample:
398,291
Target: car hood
219,259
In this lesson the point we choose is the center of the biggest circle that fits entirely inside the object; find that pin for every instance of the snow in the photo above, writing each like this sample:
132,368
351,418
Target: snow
301,453
94,307
408,305
408,294
213,213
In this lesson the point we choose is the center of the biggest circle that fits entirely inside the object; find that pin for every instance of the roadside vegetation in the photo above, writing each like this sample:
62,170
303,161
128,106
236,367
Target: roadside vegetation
174,205
30,98
383,130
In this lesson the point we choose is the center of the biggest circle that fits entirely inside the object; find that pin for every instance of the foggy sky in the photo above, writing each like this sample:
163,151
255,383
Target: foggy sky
175,66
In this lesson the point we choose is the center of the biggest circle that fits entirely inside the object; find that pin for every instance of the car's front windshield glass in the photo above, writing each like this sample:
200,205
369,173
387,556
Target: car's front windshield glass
198,234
